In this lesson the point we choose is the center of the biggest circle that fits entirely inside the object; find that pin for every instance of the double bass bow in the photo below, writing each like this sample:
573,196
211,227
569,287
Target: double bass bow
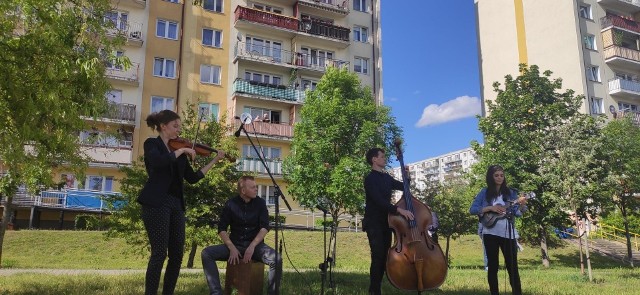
414,261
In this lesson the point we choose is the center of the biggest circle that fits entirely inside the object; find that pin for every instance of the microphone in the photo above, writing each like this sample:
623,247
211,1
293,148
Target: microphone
245,118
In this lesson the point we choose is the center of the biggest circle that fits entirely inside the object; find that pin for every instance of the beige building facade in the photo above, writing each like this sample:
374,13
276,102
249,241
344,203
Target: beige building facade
591,44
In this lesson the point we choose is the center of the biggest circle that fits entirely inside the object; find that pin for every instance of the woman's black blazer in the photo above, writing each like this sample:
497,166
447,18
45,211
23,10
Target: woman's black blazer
159,164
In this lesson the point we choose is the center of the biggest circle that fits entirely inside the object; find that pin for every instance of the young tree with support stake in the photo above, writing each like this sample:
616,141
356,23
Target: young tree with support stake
52,79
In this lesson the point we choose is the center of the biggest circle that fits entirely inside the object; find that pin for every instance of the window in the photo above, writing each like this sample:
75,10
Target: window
316,57
173,1
209,111
114,96
262,78
585,11
112,63
161,103
103,139
267,8
163,67
361,65
266,115
262,47
627,107
593,73
210,74
267,193
597,106
167,29
360,34
589,42
99,183
267,152
309,84
212,38
360,5
213,5
118,19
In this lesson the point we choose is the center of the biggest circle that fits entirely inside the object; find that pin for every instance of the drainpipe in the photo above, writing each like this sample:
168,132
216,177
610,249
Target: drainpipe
179,61
374,30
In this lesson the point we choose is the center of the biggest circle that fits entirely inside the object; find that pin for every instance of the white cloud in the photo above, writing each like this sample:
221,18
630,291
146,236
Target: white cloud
455,109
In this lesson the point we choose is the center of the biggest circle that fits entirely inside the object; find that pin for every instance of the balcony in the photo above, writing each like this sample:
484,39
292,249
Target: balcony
624,88
334,36
132,31
128,76
70,199
108,155
268,91
271,130
621,56
631,6
619,22
635,116
318,63
263,54
247,17
255,165
332,7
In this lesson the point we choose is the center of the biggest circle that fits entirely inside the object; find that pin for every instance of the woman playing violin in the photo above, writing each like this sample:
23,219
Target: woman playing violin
498,198
162,199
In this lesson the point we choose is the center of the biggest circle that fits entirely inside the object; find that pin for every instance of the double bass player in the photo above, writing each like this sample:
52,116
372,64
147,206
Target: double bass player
378,187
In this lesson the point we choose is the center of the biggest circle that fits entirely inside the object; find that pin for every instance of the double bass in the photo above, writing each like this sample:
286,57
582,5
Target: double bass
414,261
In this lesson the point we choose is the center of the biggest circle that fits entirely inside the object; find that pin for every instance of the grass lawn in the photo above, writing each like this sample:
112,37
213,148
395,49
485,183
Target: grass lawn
90,250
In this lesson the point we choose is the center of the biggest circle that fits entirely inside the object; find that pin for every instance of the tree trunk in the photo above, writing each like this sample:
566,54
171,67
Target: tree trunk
579,238
447,250
626,230
542,233
334,232
192,254
6,213
586,243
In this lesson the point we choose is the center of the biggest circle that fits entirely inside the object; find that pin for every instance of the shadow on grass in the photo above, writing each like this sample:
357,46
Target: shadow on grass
572,260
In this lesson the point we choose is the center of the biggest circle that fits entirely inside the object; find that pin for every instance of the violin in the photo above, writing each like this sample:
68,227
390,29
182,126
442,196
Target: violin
201,149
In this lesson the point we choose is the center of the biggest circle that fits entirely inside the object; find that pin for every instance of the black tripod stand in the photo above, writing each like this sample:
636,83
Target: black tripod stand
328,260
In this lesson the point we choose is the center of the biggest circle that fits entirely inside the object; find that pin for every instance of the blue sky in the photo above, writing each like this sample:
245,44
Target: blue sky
430,74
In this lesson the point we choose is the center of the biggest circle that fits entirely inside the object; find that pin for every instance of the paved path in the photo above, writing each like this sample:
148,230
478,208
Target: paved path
12,271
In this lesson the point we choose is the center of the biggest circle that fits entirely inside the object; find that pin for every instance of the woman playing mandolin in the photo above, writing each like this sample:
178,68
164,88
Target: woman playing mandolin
497,205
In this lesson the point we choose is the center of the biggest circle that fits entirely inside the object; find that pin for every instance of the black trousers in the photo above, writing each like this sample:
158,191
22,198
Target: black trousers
379,243
509,252
166,230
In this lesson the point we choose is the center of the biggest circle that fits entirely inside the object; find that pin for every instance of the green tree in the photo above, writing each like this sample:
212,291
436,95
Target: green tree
621,140
514,133
52,78
574,168
340,121
204,200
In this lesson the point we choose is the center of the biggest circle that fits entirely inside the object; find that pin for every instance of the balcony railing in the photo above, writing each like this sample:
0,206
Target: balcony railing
127,75
619,22
255,165
275,55
266,18
265,128
621,52
130,30
108,155
325,30
73,199
121,111
618,85
635,116
268,90
338,6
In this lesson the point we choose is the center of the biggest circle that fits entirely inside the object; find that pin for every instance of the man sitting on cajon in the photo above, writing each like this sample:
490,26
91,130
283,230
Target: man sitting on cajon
249,221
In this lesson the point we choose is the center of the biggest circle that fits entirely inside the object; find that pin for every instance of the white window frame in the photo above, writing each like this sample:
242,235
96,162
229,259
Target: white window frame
317,57
163,70
122,20
589,42
268,8
362,63
361,5
269,152
361,34
209,111
275,116
308,84
167,103
260,77
114,96
584,11
597,105
216,38
269,48
167,26
269,193
593,73
103,182
214,2
112,65
627,107
214,74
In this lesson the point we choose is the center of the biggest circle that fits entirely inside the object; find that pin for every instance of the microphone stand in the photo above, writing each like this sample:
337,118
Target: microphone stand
277,193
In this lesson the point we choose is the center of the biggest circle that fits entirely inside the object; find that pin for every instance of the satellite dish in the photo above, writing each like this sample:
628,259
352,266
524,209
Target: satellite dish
612,109
245,118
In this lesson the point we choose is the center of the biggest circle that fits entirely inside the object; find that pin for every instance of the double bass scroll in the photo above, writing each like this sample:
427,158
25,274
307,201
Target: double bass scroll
414,261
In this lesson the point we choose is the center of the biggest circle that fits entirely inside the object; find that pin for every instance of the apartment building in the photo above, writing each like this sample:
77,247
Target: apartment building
593,45
440,168
234,57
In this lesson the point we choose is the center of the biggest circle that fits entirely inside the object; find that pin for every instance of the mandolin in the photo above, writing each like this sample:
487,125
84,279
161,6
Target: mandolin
489,219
